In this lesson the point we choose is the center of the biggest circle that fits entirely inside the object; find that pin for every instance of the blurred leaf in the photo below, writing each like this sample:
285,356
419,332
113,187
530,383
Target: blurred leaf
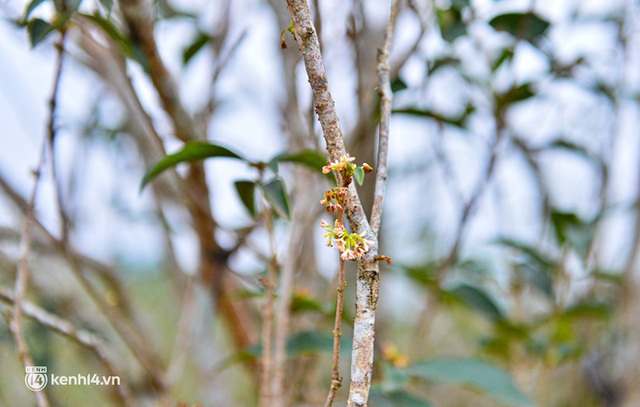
614,278
393,378
398,398
425,275
524,26
192,151
532,253
538,276
127,47
572,230
589,309
472,373
67,6
561,144
38,30
359,175
276,195
301,303
201,40
166,11
460,4
308,157
454,121
32,6
505,55
535,268
451,24
314,342
514,95
441,63
477,299
247,191
305,342
398,84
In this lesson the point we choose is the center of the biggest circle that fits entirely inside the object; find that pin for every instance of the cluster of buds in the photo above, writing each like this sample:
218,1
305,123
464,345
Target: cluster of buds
333,199
352,246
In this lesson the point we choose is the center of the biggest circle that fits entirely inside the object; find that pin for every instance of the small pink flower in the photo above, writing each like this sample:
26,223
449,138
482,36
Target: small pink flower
348,255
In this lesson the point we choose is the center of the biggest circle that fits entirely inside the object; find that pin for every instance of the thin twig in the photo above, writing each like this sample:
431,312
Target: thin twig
266,376
84,339
336,380
386,99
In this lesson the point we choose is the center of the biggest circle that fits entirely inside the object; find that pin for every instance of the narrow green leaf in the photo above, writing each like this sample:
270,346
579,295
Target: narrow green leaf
276,195
192,151
359,175
589,309
127,47
473,373
477,299
514,95
525,26
32,6
38,30
247,191
454,121
310,158
201,40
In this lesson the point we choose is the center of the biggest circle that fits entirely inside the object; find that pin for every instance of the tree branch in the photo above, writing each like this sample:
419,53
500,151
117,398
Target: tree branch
386,99
368,277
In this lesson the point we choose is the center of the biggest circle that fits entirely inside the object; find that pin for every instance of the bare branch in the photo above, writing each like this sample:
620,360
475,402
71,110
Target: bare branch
139,18
386,99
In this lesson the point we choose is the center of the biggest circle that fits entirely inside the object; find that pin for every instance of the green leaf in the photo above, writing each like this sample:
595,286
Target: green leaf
398,84
451,24
276,195
535,268
192,151
359,175
589,309
201,40
308,157
247,191
524,26
314,342
505,55
572,230
569,146
426,275
477,299
38,30
513,95
454,121
32,6
398,398
472,373
127,46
